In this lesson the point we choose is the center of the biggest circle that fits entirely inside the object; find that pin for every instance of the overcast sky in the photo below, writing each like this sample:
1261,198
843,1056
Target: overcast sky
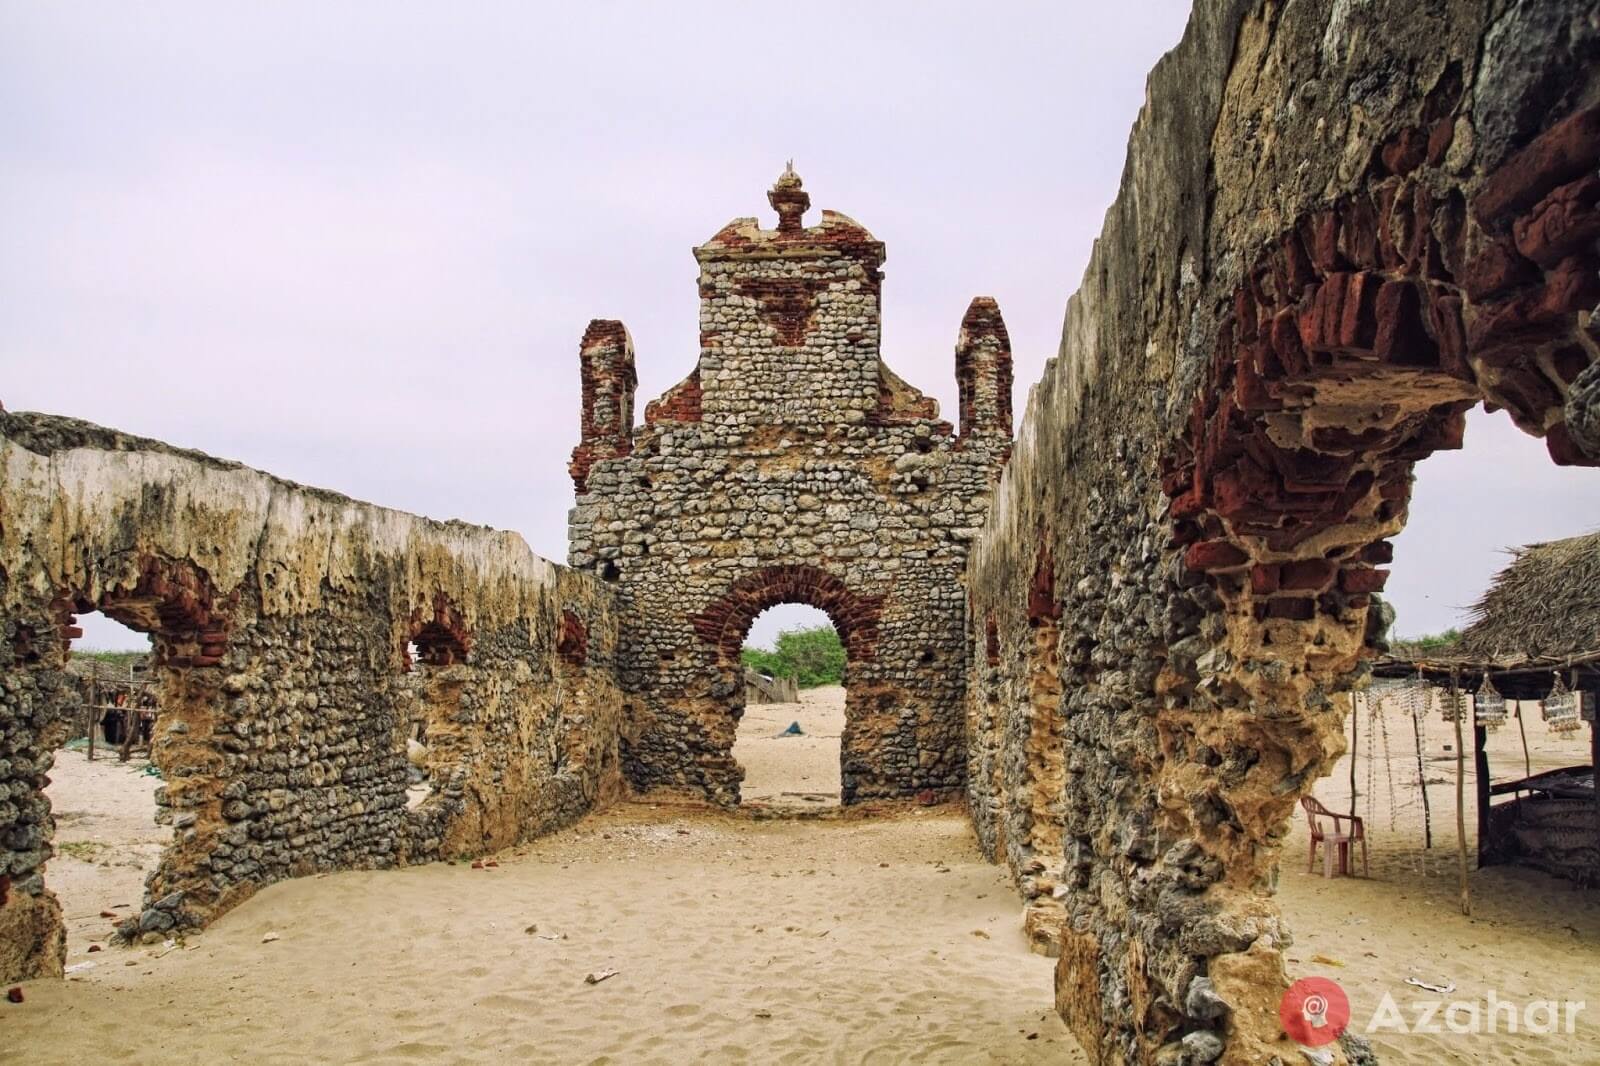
356,244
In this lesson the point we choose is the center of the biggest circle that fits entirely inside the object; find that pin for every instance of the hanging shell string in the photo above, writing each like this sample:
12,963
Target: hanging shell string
1561,707
1372,713
1382,721
1418,696
1453,705
1488,705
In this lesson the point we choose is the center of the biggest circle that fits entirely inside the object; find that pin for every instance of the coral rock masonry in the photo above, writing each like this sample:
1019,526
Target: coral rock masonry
1340,227
790,466
282,620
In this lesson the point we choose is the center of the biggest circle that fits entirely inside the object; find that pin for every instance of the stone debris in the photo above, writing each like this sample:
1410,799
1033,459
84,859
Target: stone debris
599,975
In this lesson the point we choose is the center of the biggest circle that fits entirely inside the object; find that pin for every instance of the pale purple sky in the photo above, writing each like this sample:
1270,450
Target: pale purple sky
356,244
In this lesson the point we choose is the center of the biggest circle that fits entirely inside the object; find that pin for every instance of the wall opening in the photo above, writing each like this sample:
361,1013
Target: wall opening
726,622
791,709
1469,508
1404,755
103,787
430,703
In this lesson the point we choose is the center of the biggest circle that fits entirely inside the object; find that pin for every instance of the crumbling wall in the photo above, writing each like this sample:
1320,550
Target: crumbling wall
791,466
282,620
1339,227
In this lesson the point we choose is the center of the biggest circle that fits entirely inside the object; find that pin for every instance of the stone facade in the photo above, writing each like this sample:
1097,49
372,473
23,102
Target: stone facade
790,466
1340,227
300,639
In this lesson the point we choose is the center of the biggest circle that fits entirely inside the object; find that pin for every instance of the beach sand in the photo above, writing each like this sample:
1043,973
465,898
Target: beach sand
864,936
792,771
1530,937
106,842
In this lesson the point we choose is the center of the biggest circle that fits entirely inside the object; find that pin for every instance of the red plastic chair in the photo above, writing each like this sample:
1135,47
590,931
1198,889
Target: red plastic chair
1334,839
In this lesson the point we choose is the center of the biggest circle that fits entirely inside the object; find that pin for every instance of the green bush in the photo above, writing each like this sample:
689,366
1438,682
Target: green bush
1431,641
811,656
119,659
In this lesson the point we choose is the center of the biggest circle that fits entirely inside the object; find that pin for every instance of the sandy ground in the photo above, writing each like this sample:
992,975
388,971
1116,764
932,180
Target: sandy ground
1530,936
735,940
106,842
876,937
791,771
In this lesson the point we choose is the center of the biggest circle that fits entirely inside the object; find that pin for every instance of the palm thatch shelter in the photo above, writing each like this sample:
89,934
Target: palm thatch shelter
1542,612
116,694
1535,635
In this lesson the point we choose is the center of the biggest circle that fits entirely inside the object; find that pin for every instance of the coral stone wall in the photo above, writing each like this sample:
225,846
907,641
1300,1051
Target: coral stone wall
793,466
283,620
1340,226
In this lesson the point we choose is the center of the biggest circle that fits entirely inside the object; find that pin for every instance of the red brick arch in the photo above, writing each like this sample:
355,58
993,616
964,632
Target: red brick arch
726,621
1356,344
441,636
173,602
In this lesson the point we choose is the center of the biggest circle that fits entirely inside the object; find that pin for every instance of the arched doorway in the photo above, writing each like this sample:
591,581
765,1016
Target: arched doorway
725,625
791,715
103,784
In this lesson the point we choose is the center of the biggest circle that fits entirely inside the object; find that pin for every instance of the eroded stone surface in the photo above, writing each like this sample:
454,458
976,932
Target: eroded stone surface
1340,226
283,622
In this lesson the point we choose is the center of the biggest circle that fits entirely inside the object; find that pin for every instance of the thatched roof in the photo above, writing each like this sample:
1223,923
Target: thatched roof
1544,606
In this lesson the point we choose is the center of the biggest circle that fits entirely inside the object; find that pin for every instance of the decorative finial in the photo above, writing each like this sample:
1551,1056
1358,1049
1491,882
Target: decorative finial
789,199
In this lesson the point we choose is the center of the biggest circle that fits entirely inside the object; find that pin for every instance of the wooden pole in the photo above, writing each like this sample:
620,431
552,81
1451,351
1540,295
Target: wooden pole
94,707
1480,768
1594,756
130,720
1461,794
1527,762
1422,780
1355,718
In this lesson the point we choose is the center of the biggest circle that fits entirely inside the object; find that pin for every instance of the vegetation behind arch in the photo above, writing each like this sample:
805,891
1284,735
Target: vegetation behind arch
813,656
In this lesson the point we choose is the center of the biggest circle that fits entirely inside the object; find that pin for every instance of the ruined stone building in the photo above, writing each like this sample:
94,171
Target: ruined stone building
790,466
1340,227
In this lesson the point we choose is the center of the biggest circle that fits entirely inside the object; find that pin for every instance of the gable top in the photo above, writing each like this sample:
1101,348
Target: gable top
836,234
